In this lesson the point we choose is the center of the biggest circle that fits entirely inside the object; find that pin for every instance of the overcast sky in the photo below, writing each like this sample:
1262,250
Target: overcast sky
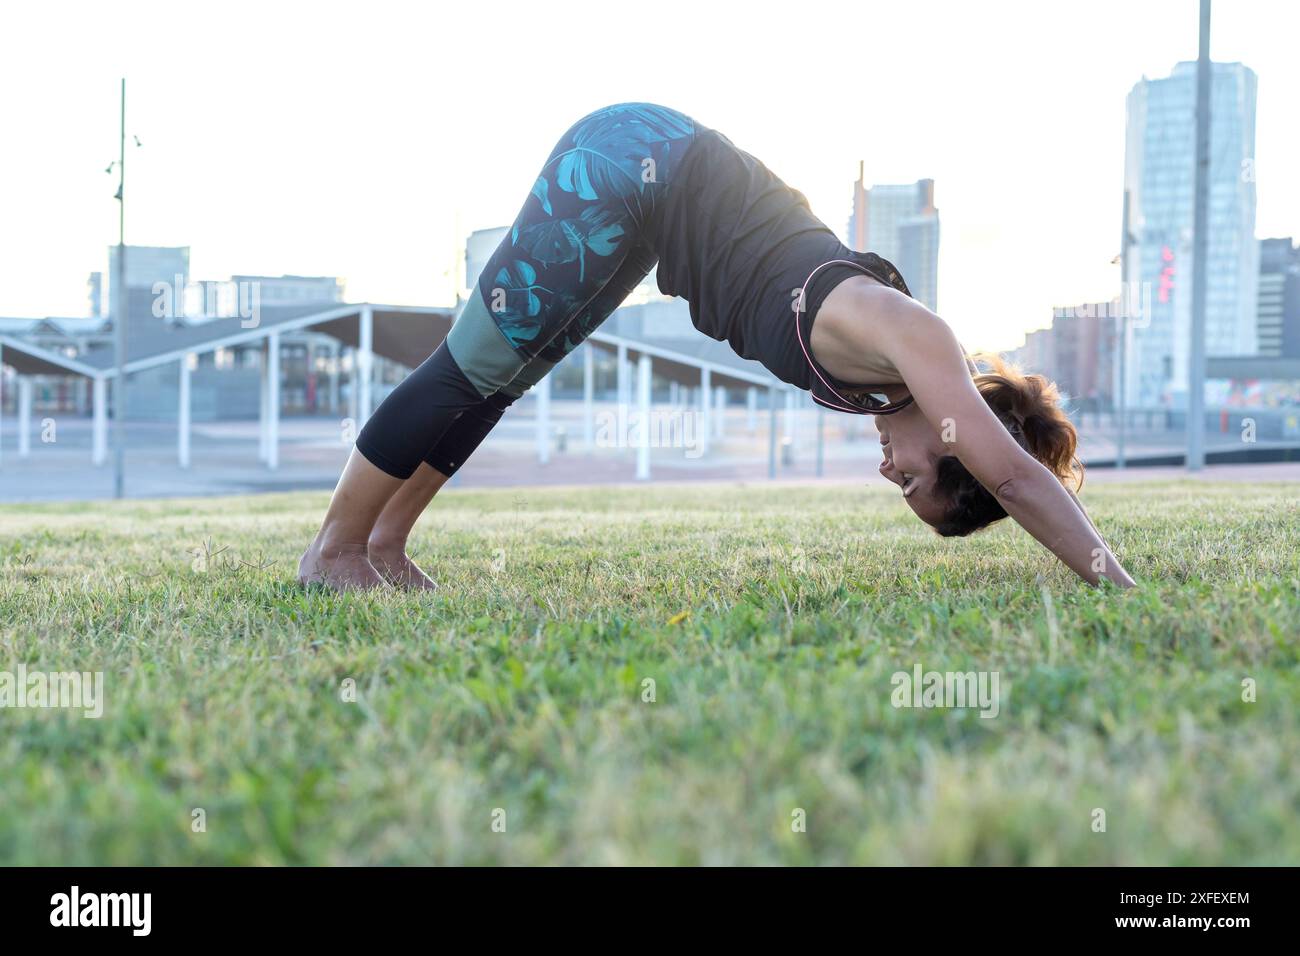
367,139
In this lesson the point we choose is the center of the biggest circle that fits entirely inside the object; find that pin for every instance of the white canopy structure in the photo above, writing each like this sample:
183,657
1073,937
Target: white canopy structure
403,334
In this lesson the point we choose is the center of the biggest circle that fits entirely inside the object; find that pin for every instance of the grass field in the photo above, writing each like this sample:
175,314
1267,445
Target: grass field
770,621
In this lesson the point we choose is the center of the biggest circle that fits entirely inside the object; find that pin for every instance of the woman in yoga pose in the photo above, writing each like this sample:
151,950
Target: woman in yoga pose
636,184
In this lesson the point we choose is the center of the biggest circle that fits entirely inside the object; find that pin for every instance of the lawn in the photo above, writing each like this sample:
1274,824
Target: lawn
655,676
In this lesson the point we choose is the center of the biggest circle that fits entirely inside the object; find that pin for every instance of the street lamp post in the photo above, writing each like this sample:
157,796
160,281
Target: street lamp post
119,316
1196,354
1121,346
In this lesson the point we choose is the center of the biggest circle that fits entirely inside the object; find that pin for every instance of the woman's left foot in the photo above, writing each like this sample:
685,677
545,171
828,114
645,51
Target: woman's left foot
399,570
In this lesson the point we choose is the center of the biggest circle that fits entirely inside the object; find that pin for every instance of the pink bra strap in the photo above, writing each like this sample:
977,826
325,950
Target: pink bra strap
798,334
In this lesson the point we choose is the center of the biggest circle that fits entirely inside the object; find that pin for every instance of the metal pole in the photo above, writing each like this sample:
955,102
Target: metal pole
99,426
183,413
588,396
544,420
264,408
273,401
1121,347
821,440
335,358
643,408
620,374
24,416
366,366
119,320
353,400
771,431
1196,358
791,420
706,409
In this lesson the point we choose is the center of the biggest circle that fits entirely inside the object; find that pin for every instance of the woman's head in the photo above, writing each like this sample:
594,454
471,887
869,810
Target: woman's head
936,484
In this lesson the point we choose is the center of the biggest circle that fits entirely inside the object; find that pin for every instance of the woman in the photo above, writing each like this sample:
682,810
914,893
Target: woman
636,184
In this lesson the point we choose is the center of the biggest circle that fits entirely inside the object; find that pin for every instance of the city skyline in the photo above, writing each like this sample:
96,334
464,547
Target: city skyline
899,223
271,159
1159,180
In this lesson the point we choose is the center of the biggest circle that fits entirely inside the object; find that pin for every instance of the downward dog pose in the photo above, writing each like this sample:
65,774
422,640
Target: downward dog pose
636,184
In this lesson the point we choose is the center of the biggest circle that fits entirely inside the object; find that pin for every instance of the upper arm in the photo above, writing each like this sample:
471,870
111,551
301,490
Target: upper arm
933,365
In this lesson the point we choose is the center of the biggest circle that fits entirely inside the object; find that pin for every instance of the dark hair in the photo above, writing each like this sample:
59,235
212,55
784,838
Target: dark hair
1029,406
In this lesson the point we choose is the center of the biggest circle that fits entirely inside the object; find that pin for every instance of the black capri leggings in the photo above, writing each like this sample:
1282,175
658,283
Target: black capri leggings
580,245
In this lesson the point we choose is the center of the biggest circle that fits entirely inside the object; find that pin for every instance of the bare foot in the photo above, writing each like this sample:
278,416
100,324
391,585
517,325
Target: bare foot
343,568
393,564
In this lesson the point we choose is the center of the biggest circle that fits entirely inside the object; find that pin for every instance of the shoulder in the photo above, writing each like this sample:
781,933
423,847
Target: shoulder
861,327
864,314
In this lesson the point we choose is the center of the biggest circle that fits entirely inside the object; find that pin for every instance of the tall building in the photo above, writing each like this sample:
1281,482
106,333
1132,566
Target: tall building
901,224
147,266
294,290
1159,177
1077,352
96,307
1278,316
223,298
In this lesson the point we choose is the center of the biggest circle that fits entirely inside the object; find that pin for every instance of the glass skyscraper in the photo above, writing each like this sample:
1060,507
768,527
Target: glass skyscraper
901,224
1159,171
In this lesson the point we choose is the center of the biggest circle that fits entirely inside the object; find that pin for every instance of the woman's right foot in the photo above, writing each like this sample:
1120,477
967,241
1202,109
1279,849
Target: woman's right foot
399,570
344,568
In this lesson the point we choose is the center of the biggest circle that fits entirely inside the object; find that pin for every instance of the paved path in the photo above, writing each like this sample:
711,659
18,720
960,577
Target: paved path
313,450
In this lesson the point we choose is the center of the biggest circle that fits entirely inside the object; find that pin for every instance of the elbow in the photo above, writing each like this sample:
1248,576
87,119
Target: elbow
1022,486
1009,492
1019,482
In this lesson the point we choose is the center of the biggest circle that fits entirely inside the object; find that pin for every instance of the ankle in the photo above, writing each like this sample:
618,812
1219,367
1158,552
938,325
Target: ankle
386,544
336,543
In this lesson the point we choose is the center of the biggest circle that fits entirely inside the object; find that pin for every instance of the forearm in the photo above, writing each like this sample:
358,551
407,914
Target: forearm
1042,506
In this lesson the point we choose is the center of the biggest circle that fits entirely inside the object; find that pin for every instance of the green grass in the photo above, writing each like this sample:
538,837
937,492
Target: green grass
519,685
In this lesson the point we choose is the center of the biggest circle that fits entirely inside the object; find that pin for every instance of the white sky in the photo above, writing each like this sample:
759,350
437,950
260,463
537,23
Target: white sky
367,139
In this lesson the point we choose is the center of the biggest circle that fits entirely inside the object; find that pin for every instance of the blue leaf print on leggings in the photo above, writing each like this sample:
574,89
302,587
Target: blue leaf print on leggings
540,191
520,283
595,230
609,150
596,198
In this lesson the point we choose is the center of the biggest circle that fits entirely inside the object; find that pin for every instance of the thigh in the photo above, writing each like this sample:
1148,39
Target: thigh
635,267
593,203
464,436
640,260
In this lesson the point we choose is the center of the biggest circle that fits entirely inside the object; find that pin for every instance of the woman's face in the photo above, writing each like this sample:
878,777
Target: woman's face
912,449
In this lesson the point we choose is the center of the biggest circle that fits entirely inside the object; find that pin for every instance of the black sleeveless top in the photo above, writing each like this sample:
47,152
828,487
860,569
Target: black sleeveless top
739,245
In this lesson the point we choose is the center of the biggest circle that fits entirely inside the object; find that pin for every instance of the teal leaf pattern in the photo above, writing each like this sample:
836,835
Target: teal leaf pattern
556,241
540,190
584,213
608,150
